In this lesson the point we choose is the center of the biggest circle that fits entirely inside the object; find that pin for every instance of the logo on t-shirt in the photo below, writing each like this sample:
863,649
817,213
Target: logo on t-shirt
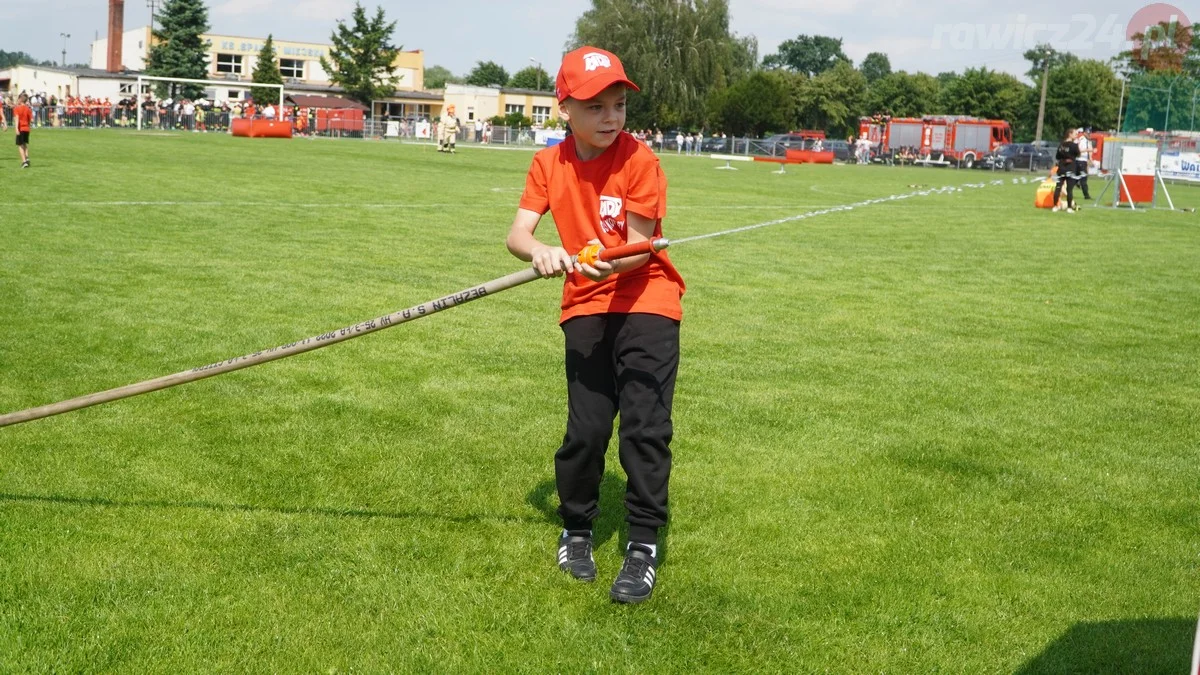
611,209
593,60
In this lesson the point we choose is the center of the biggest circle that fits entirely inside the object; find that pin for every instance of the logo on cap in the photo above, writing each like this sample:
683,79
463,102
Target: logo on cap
592,61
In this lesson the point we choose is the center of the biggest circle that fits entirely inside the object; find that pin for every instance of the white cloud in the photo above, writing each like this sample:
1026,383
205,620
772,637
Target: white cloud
242,7
327,10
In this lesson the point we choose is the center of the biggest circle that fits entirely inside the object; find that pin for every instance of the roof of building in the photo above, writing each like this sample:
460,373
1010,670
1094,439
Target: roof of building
530,92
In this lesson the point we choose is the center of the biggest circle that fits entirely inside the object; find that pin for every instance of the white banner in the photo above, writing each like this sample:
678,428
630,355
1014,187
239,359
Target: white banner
546,136
1180,166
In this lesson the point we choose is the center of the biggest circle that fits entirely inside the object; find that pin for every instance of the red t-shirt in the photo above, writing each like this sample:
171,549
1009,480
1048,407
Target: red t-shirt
23,114
589,200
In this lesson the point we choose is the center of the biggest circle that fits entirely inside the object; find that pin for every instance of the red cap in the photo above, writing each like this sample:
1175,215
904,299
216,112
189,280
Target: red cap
587,71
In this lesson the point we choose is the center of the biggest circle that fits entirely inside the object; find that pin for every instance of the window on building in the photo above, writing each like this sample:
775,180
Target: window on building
125,88
510,108
541,114
470,114
229,64
292,68
234,94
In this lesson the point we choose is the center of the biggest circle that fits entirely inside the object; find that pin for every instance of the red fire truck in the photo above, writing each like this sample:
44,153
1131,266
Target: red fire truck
937,139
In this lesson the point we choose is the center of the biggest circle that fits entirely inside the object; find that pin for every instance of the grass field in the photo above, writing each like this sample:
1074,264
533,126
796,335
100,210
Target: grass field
944,434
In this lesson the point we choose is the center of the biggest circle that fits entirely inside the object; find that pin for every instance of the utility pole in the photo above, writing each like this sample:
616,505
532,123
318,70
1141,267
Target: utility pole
539,77
1121,104
64,36
1037,136
153,5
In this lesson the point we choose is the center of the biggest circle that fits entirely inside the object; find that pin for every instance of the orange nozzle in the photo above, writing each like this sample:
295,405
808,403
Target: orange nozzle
589,255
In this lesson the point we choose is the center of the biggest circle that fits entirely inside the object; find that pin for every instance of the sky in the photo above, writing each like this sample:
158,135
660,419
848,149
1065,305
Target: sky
929,36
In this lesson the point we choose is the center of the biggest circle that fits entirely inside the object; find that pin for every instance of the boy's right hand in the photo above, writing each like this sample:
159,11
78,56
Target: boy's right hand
551,261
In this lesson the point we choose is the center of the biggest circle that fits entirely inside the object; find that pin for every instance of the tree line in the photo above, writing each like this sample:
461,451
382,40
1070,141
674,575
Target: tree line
695,73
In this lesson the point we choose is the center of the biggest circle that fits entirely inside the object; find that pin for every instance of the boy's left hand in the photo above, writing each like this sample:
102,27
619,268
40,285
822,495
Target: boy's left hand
597,271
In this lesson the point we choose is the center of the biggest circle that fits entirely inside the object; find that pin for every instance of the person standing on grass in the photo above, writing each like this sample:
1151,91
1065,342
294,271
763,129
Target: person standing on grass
620,319
1083,162
22,120
1067,156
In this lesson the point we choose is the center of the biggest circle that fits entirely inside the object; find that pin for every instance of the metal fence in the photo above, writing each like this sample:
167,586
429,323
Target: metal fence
423,130
218,120
120,118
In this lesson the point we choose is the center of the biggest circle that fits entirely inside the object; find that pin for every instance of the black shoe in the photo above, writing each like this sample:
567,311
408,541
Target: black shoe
575,556
24,165
636,580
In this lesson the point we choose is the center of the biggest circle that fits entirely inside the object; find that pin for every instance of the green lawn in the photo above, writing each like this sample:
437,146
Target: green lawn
950,433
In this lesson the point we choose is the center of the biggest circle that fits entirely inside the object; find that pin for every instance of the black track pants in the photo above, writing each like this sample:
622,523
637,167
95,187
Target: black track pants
622,363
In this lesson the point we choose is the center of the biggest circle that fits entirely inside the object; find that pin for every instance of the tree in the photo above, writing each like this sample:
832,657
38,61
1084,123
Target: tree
436,77
756,105
533,77
984,93
266,71
902,95
677,52
487,73
834,100
178,50
1169,46
1160,100
1082,94
876,66
1039,55
362,58
808,54
10,59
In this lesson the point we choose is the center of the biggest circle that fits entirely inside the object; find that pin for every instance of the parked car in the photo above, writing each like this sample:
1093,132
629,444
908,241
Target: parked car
715,144
1011,156
842,152
777,145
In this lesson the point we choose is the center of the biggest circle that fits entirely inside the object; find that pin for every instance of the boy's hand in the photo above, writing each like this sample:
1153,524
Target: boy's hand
551,261
598,270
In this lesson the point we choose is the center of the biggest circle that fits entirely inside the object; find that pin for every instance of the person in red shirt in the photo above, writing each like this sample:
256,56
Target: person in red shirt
22,119
620,319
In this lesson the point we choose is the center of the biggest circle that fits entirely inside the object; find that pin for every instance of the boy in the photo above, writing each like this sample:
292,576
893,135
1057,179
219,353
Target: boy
620,319
22,117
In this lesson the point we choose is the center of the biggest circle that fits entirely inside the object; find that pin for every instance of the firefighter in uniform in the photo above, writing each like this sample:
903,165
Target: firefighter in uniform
447,131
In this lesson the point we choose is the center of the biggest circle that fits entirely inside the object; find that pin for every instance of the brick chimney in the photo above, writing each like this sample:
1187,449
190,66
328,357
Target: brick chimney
116,32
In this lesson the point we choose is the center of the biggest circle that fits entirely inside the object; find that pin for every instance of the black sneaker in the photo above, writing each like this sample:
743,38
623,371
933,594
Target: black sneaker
575,556
24,165
636,580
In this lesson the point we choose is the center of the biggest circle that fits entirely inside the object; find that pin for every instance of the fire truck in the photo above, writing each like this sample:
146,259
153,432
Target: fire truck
940,140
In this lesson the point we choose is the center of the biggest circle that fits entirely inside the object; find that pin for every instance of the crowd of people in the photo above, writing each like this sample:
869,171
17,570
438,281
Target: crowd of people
166,113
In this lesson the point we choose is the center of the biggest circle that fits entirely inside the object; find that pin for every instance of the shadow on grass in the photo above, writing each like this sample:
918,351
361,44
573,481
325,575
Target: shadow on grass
101,502
544,498
1129,646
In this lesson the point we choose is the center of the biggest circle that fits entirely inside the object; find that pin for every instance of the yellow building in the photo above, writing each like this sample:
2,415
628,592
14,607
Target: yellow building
483,103
233,58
